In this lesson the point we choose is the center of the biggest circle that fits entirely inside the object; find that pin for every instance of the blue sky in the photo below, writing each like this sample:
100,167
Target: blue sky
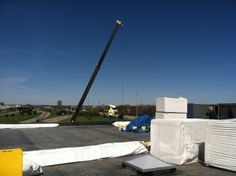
48,50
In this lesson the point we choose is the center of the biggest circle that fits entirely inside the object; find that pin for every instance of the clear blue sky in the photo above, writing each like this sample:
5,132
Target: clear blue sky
48,50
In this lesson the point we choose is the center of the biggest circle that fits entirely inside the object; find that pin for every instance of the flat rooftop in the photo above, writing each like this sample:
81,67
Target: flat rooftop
76,136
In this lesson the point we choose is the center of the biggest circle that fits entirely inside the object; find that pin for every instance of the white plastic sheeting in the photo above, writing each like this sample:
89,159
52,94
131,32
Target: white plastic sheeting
220,146
87,153
177,141
30,168
20,126
118,123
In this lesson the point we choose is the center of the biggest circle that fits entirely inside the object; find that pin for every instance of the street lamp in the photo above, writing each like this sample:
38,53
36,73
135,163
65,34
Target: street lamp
136,104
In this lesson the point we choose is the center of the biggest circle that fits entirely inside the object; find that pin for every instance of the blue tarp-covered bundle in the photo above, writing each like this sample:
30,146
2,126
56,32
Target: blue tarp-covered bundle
140,124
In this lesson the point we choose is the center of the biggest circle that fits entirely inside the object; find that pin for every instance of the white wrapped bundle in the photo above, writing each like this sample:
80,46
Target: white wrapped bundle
171,108
177,141
220,146
171,105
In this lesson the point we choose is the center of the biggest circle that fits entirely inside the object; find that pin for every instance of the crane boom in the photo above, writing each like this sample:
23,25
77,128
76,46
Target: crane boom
95,72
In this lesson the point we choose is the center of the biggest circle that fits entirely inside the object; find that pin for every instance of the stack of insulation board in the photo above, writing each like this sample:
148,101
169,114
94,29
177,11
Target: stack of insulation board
177,141
220,146
171,108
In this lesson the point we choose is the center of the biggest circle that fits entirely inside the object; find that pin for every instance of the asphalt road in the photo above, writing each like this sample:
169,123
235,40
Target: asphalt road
43,115
49,138
56,119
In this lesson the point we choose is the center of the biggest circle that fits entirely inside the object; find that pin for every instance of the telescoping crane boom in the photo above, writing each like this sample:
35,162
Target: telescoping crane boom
95,72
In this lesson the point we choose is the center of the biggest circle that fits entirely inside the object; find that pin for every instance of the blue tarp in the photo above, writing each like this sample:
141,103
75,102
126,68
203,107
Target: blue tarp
139,122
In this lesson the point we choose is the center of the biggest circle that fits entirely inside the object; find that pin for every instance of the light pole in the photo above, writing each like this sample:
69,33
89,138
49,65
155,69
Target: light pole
141,107
136,104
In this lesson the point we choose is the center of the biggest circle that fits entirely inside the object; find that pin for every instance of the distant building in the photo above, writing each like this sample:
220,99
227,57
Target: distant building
59,103
226,110
4,107
198,110
223,110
